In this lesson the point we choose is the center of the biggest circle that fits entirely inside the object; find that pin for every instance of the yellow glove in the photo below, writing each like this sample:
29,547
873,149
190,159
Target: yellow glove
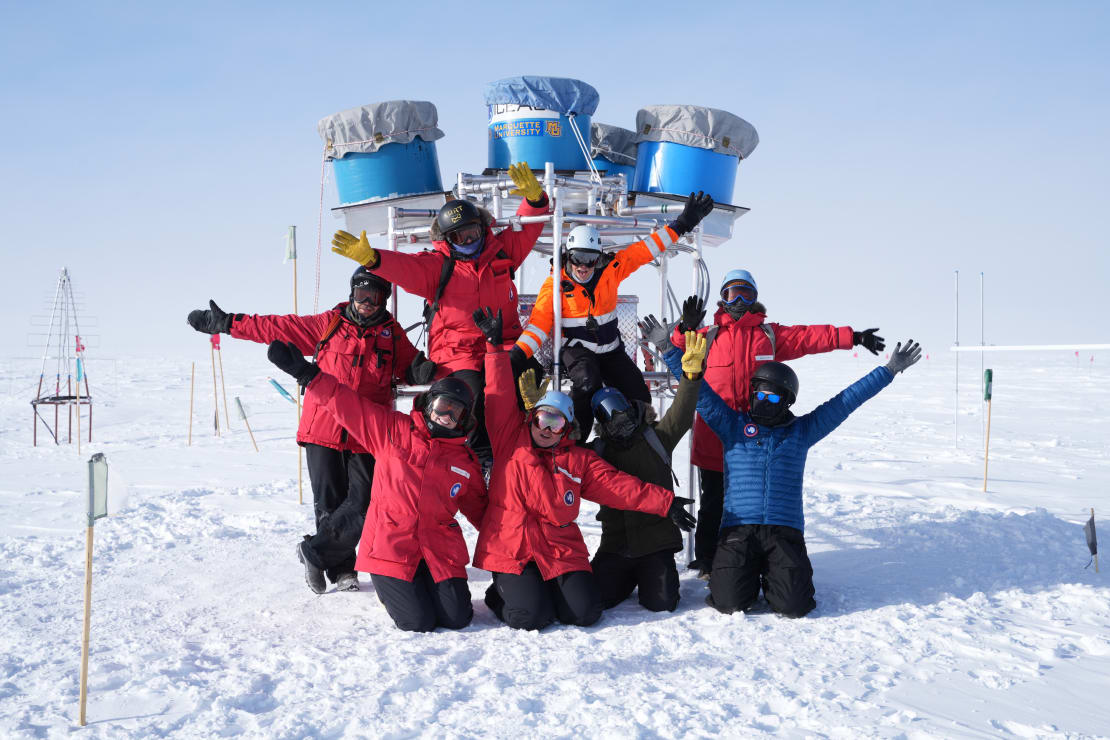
356,248
693,359
526,183
529,391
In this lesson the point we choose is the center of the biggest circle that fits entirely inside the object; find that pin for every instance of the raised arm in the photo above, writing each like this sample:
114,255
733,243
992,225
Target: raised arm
540,322
518,244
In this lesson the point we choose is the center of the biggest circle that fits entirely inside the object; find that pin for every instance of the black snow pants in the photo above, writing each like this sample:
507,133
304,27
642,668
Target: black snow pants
421,605
527,602
769,555
589,371
654,575
341,483
710,506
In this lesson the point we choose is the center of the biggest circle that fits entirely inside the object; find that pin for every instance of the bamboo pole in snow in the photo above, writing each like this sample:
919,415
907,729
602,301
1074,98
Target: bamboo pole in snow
192,383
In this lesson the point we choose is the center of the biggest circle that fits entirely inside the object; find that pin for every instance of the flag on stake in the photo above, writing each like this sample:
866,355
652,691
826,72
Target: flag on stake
1092,540
239,406
215,340
290,245
281,390
80,370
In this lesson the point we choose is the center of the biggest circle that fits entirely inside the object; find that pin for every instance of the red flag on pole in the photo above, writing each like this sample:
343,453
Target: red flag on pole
215,339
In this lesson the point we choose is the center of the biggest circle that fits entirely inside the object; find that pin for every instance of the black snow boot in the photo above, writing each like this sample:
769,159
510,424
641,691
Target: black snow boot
347,582
313,575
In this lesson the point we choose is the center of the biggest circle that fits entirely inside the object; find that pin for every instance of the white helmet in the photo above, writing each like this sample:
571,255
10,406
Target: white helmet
584,237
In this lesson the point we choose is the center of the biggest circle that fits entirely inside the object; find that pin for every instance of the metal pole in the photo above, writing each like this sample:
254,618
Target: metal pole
956,415
695,474
556,289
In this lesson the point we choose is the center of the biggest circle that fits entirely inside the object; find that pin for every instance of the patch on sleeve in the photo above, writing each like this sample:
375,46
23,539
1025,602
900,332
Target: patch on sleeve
455,489
460,471
750,430
568,498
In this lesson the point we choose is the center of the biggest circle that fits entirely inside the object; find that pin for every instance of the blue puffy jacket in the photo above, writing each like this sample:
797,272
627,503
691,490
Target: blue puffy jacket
764,465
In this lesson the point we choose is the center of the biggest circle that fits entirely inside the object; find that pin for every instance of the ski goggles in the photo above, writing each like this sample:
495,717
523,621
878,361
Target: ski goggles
368,293
609,407
447,407
583,258
465,234
739,291
548,420
767,396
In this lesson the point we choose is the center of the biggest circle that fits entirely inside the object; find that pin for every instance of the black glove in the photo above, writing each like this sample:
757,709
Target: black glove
213,321
656,333
422,370
489,325
869,339
678,514
693,311
903,357
697,207
289,359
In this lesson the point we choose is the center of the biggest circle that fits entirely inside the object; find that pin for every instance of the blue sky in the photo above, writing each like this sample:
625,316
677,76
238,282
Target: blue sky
161,152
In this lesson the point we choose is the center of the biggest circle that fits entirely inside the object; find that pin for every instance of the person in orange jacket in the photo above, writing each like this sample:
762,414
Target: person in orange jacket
593,353
528,537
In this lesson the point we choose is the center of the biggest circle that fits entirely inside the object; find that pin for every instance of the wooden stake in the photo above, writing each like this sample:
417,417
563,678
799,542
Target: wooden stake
223,387
88,613
192,382
250,433
215,392
987,448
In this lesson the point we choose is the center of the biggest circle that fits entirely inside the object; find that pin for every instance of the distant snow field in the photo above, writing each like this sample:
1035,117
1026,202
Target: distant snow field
943,611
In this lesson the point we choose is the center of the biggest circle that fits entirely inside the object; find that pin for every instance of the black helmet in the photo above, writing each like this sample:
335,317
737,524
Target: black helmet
362,276
454,390
780,376
456,213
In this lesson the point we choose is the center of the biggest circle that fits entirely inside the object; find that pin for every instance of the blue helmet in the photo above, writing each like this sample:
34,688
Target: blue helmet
606,402
734,276
560,402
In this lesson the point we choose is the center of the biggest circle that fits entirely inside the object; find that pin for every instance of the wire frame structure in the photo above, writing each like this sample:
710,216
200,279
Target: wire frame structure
65,356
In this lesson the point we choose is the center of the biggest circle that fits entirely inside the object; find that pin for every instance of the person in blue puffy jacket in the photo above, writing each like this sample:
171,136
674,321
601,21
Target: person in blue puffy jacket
761,542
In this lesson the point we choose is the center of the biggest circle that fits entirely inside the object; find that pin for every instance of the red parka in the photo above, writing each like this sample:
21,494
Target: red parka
420,482
454,342
741,346
365,359
535,493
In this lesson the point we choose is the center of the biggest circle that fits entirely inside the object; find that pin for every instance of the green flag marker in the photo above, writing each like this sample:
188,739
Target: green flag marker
988,380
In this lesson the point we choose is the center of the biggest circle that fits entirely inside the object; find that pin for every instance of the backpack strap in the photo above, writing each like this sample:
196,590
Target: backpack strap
329,332
770,336
445,271
657,444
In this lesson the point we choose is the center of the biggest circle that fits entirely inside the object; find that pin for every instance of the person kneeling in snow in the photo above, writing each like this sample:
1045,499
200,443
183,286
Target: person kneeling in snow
528,537
411,544
761,542
637,549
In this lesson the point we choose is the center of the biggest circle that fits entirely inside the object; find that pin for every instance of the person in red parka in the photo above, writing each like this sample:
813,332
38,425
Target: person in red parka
411,544
359,343
741,339
478,265
528,537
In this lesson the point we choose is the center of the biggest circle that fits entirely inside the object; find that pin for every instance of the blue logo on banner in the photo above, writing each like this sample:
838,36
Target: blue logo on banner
750,430
568,498
455,489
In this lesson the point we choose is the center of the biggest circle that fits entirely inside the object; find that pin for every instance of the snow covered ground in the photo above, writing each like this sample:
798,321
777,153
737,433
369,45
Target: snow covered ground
942,611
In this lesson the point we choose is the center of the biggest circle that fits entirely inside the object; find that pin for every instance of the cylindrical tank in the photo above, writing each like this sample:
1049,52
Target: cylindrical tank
531,119
613,150
383,150
686,148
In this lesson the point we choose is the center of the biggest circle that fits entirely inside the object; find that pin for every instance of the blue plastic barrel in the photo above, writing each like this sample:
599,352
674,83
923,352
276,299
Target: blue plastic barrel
391,172
611,169
667,167
518,133
532,119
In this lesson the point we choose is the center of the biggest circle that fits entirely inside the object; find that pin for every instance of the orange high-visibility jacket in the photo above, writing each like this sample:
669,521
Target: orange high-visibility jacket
579,306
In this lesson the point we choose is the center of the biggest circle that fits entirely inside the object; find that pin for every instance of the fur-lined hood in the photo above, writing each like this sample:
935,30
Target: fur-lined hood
437,235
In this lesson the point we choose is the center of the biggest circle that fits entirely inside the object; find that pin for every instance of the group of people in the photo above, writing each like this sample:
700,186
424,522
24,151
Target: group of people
489,440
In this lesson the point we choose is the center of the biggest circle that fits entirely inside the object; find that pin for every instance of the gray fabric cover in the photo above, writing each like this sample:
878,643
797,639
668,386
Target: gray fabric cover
368,128
614,143
693,125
